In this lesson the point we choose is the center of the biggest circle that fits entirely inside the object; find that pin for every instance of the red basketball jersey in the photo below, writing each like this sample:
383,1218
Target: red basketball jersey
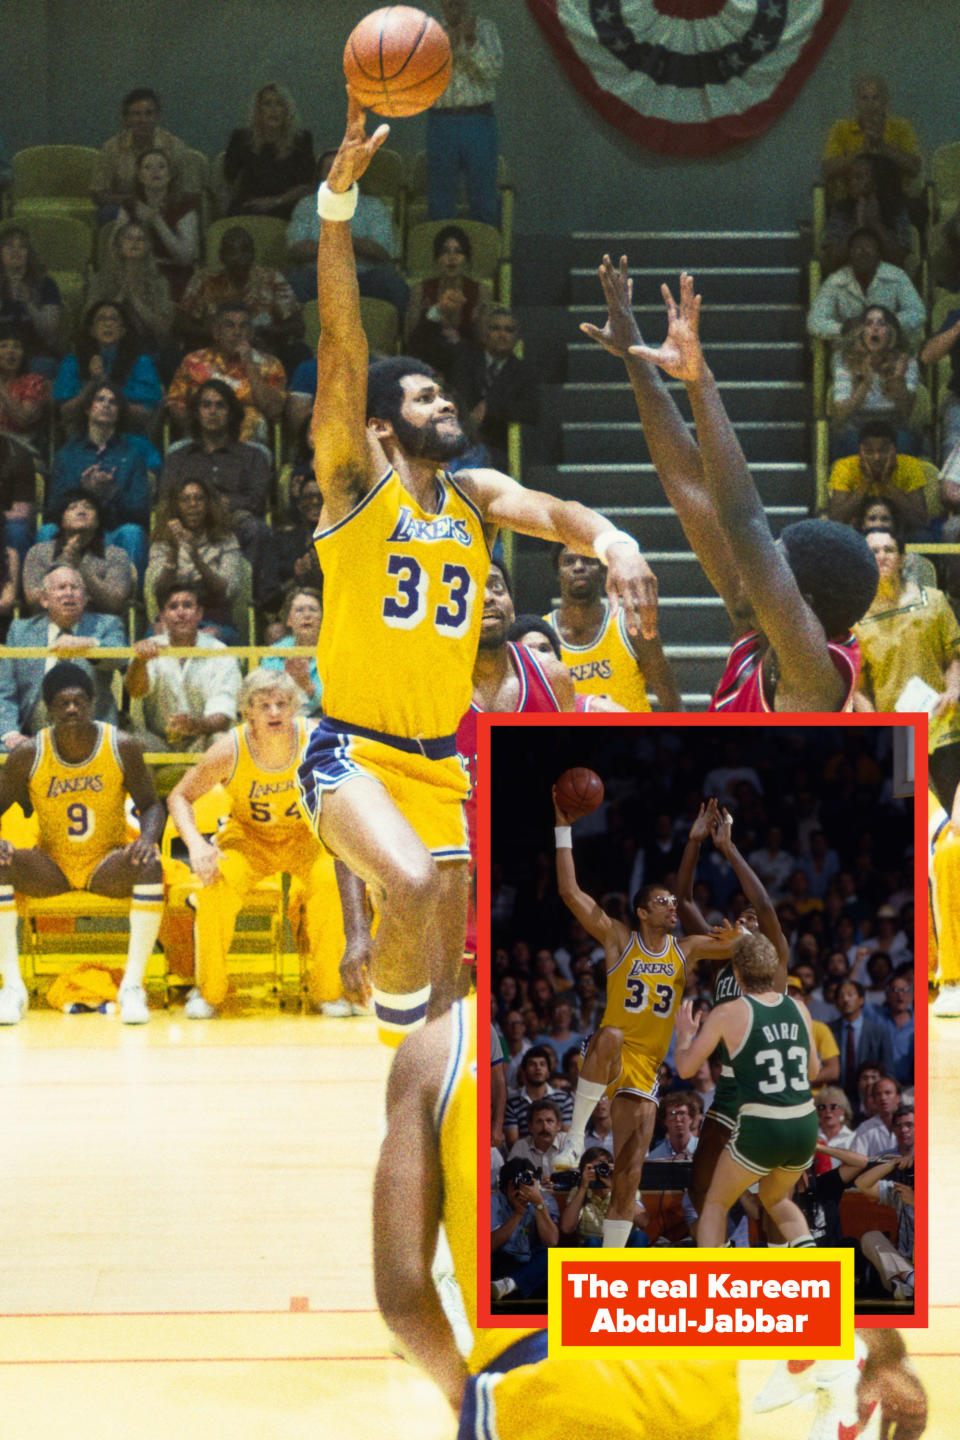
741,684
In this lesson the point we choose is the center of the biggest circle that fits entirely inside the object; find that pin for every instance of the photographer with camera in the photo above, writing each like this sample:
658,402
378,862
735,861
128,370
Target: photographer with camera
546,1142
589,1192
524,1221
679,1112
891,1182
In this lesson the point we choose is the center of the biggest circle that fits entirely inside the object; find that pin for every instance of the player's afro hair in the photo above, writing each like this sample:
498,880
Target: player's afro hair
835,571
66,675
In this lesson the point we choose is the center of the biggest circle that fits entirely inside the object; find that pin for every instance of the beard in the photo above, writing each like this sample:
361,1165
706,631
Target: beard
427,443
494,638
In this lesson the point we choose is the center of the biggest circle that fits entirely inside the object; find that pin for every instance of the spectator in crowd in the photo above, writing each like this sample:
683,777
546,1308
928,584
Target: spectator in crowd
858,1035
582,1217
560,1033
79,542
130,278
297,561
376,246
875,972
452,254
495,386
108,464
108,349
24,398
897,1014
874,378
17,492
875,201
114,176
821,1187
600,1125
193,543
185,702
878,472
534,1075
256,378
773,864
70,632
835,1117
238,471
524,1224
873,131
439,338
302,616
29,298
891,1182
944,342
865,280
275,315
169,214
824,1042
874,1135
910,631
545,1141
864,1105
269,164
678,1111
461,125
517,1042
821,864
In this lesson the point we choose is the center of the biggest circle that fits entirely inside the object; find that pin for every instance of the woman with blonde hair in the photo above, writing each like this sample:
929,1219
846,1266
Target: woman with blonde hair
130,276
874,378
269,164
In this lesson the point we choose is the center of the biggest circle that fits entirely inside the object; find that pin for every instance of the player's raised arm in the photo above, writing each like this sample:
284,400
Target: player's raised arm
808,678
755,891
341,446
591,915
630,581
691,916
672,448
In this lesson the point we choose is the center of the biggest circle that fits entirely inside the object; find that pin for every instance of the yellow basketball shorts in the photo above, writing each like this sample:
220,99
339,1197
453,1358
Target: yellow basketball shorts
638,1073
430,793
596,1395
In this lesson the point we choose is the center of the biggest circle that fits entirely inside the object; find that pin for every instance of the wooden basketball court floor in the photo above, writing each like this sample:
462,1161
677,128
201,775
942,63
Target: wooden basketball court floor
185,1251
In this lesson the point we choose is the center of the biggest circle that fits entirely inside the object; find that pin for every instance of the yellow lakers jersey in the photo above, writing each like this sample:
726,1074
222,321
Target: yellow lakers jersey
608,665
265,801
79,807
456,1124
643,992
402,608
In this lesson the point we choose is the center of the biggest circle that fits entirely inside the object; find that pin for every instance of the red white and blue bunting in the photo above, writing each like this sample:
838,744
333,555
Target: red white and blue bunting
689,77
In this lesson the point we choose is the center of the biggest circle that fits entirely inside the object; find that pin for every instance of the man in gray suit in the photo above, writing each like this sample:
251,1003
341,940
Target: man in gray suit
859,1036
70,632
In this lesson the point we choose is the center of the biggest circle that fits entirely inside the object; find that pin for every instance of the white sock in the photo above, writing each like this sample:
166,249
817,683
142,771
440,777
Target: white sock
146,912
9,956
616,1233
586,1099
398,1015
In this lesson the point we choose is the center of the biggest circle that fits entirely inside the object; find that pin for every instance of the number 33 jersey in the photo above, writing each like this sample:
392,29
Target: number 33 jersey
643,992
402,609
80,808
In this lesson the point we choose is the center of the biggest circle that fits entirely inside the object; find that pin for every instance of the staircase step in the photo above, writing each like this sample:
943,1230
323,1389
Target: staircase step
589,442
730,360
719,322
789,483
658,528
717,283
612,400
697,668
679,574
672,250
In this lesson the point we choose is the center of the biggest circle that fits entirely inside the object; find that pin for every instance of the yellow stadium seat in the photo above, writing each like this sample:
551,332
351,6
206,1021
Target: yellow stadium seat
485,243
381,325
47,177
416,208
384,176
945,171
62,242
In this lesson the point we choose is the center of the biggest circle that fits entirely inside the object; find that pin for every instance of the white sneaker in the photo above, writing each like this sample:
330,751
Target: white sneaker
13,1004
500,1288
133,1005
837,1407
782,1388
336,1009
947,1003
569,1156
197,1008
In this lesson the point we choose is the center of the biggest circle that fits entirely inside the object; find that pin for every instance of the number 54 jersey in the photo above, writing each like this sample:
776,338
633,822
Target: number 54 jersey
644,990
402,609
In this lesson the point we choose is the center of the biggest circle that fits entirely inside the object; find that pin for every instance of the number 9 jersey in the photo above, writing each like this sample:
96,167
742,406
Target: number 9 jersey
402,609
80,808
643,992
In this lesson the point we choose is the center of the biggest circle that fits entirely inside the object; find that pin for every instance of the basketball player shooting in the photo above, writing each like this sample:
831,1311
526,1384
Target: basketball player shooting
405,549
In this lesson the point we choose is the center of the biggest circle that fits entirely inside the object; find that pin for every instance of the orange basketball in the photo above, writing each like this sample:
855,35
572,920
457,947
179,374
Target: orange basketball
397,61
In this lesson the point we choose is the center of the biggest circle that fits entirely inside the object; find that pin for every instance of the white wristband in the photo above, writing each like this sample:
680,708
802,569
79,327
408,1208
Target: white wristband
337,204
563,837
606,538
